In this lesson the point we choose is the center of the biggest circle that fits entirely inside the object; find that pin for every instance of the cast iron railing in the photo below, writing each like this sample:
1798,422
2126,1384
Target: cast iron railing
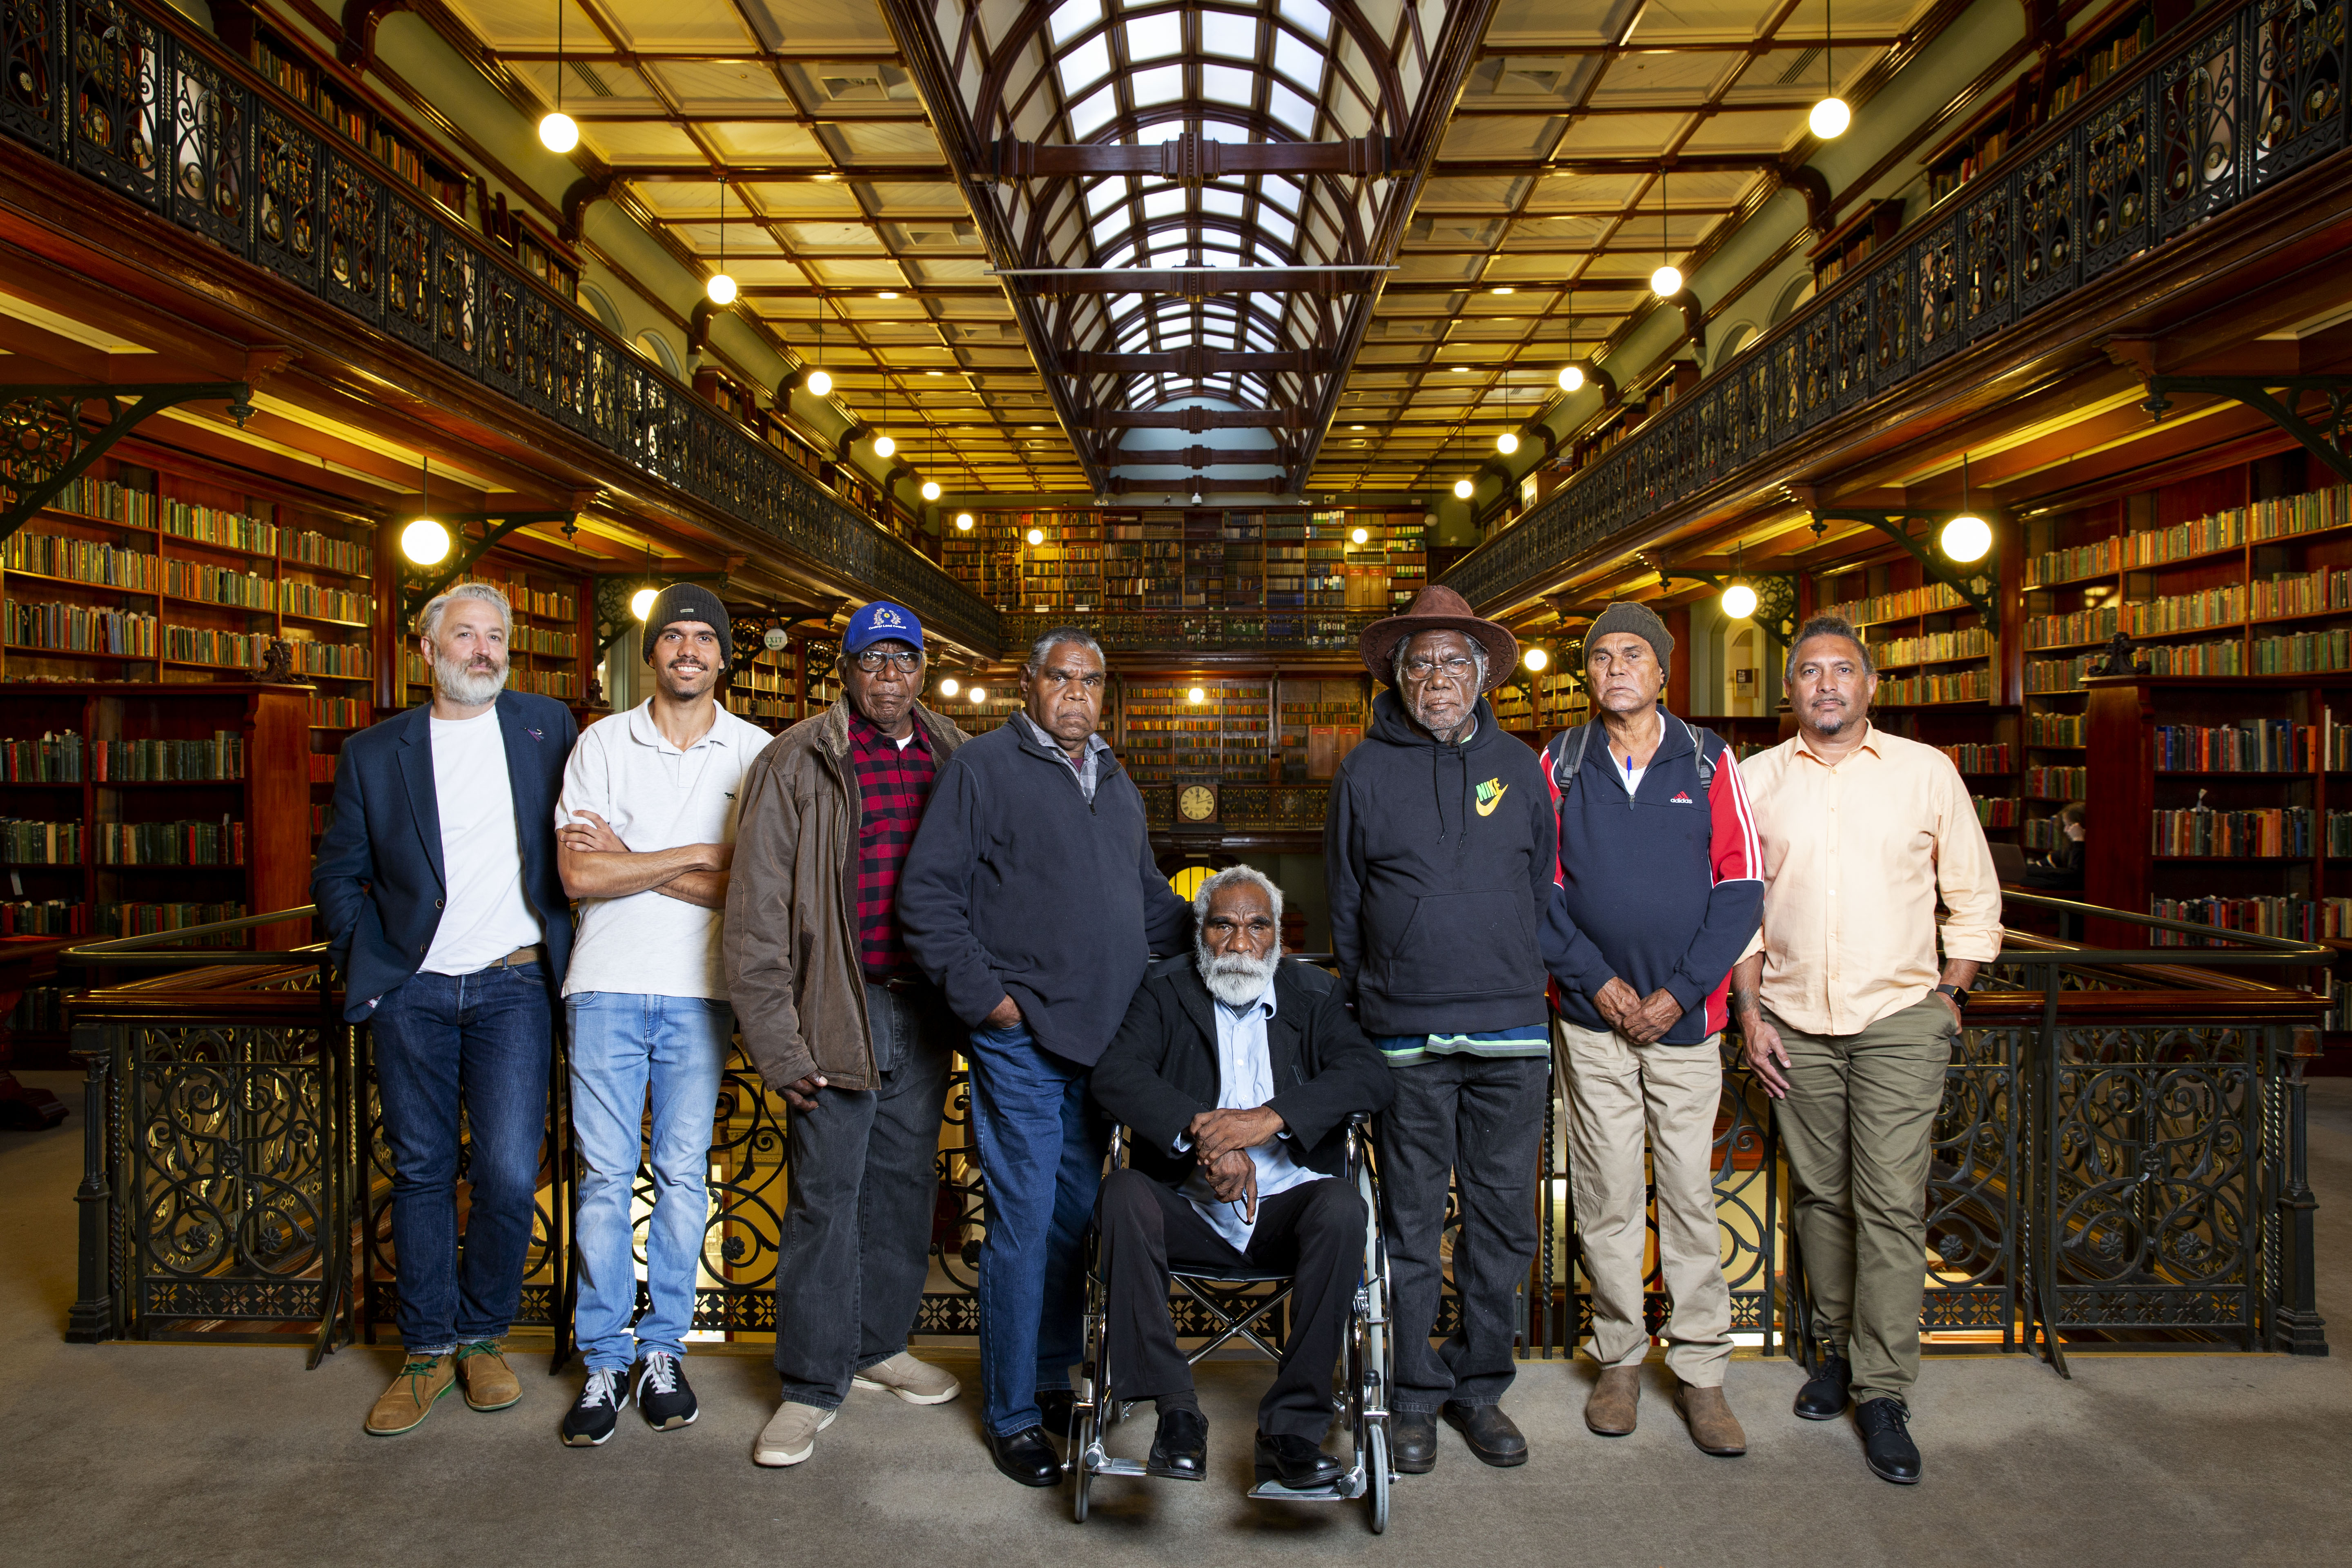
2227,105
1176,631
145,105
2120,1156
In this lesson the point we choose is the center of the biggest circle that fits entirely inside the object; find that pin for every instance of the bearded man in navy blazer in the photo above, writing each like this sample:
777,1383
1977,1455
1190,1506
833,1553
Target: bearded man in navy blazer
439,887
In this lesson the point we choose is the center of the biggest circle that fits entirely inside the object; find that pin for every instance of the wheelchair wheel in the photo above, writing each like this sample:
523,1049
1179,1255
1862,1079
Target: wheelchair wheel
1376,1475
1082,1441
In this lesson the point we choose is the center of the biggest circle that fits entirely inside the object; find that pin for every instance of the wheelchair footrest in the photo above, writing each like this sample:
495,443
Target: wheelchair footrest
1347,1488
1104,1465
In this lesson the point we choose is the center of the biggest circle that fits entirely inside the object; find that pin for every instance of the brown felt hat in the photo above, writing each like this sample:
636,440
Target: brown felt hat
1438,609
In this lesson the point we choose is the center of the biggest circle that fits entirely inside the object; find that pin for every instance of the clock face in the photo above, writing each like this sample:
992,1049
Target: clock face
1196,803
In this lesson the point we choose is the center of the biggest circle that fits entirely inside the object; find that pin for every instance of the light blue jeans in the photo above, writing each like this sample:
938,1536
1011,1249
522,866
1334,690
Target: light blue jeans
621,1044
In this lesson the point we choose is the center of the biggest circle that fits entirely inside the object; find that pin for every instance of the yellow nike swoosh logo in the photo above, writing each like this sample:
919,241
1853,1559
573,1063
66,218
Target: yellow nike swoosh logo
1486,808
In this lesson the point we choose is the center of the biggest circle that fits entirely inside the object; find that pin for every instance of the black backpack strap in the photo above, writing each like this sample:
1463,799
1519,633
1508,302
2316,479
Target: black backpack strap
1566,755
1699,739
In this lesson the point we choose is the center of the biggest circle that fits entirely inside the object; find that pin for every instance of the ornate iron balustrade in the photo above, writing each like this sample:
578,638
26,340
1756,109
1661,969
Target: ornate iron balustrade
2227,107
1176,631
179,125
2111,1162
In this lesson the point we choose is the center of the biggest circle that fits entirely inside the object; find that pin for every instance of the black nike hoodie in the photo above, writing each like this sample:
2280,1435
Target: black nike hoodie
1438,863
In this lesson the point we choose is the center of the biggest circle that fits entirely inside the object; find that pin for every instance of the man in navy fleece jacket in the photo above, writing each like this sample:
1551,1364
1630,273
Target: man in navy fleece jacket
1659,888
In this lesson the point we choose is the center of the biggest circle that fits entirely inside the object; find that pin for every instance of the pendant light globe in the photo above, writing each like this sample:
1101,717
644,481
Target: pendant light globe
1666,281
884,445
1738,602
1506,443
931,489
1830,118
1462,489
558,132
721,289
819,384
1571,378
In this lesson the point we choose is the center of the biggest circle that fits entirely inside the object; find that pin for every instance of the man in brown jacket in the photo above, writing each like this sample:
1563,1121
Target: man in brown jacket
842,1023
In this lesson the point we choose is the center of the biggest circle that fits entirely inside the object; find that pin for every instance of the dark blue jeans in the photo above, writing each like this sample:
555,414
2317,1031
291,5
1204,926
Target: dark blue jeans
1041,1152
481,1041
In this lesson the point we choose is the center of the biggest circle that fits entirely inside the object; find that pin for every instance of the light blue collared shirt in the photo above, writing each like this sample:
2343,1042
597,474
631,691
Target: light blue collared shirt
1245,1082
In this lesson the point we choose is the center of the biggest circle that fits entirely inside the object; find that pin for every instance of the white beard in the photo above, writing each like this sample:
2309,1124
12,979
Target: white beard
464,687
1236,979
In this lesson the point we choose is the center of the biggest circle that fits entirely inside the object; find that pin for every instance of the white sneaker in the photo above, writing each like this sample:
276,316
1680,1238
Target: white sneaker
790,1436
916,1381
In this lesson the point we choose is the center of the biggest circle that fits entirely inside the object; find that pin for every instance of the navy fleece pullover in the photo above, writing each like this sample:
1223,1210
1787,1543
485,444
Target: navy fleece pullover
1662,888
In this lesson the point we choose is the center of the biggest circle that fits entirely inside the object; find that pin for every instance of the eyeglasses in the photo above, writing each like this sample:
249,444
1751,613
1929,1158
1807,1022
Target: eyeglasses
906,661
1456,668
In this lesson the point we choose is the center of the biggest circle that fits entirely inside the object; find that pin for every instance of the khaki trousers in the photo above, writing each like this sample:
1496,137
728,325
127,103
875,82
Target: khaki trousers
1617,1089
1857,1128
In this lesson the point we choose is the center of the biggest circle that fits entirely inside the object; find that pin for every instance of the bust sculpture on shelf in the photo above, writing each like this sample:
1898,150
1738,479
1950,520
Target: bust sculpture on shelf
277,662
2122,657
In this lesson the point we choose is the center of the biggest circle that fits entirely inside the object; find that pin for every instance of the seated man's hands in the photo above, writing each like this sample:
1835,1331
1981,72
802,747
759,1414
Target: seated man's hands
1216,1133
1233,1178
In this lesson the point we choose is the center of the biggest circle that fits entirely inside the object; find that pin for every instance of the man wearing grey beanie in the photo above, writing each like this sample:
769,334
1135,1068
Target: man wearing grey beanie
645,835
1658,889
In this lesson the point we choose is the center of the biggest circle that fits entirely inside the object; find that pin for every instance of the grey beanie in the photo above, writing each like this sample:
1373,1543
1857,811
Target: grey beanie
1625,615
689,602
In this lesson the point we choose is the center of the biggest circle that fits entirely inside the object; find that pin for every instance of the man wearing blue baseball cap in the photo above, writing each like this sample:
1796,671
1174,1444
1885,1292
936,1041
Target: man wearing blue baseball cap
842,1023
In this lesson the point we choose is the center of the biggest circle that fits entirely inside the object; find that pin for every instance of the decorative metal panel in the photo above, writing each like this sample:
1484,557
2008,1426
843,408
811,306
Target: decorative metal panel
1988,252
115,130
2047,258
1889,288
209,149
29,31
2114,194
355,249
286,198
1935,276
408,297
1850,373
2200,104
457,298
2297,109
1814,386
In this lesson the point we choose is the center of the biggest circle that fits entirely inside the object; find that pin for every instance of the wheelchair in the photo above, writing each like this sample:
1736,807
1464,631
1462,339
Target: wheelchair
1359,1393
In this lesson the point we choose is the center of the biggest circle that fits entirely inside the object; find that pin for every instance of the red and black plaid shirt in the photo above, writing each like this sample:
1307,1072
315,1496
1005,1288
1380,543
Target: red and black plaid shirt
893,783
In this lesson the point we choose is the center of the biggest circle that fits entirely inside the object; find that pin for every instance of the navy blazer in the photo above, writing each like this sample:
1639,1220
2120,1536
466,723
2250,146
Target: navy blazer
378,880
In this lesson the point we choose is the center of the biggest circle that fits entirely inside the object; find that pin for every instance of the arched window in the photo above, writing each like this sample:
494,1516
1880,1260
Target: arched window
655,347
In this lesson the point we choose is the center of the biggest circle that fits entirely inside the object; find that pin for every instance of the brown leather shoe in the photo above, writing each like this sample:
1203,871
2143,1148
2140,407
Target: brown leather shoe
1611,1409
490,1383
404,1406
1712,1425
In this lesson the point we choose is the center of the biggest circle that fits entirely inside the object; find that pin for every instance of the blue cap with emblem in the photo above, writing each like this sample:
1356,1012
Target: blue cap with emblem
882,621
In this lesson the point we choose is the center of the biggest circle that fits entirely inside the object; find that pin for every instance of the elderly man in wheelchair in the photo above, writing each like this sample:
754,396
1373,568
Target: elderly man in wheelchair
1239,1078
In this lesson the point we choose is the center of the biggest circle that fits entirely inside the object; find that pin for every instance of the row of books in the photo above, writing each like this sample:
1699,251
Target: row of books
1935,648
1899,606
2255,746
51,759
2303,653
25,841
2056,730
2310,593
2266,833
71,917
327,603
111,502
77,629
2205,611
560,684
2148,547
349,659
1995,811
44,917
340,713
191,843
1971,758
1960,685
2058,784
2045,675
2304,920
224,650
222,757
81,561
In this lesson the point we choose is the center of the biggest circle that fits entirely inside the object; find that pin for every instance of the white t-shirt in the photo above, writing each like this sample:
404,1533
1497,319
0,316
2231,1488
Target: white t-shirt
486,916
656,797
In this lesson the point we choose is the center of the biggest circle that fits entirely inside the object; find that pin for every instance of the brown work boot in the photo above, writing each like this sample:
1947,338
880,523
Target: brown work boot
490,1383
1610,1411
1712,1425
404,1406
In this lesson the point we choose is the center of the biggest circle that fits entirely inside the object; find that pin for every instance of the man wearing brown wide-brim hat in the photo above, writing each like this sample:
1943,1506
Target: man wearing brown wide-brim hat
1438,853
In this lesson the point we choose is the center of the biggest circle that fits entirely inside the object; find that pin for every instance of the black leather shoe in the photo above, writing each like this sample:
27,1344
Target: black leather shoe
1179,1448
1027,1456
1412,1441
1886,1441
1056,1410
1825,1395
1494,1436
1294,1462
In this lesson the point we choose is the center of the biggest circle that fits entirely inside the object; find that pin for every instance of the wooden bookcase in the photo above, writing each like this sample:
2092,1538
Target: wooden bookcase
183,573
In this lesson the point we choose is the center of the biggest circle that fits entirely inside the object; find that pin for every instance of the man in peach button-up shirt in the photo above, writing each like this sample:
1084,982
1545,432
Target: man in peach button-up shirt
1848,1022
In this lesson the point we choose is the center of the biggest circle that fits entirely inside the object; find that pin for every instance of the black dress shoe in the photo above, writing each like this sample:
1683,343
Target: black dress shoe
1057,1412
1886,1441
1825,1392
1027,1456
1412,1441
1494,1436
1179,1448
1296,1463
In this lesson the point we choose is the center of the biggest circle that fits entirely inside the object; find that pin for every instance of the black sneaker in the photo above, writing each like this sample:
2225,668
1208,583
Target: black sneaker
587,1424
658,1381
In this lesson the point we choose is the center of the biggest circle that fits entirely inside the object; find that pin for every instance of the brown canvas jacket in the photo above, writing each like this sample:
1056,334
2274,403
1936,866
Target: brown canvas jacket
791,941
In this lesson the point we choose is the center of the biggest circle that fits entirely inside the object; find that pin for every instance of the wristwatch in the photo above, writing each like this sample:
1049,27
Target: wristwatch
1958,993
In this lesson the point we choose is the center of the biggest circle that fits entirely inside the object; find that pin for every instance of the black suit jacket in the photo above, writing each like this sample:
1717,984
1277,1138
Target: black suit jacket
378,880
1160,1068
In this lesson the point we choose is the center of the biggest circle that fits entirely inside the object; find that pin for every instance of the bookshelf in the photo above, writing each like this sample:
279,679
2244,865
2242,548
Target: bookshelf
180,573
335,99
1161,730
1319,720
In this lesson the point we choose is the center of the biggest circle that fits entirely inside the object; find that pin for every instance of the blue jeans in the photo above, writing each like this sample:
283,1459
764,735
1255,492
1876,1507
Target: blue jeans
1040,1162
622,1043
481,1041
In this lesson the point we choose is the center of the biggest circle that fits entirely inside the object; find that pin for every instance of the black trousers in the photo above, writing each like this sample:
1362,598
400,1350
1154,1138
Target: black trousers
1314,1232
